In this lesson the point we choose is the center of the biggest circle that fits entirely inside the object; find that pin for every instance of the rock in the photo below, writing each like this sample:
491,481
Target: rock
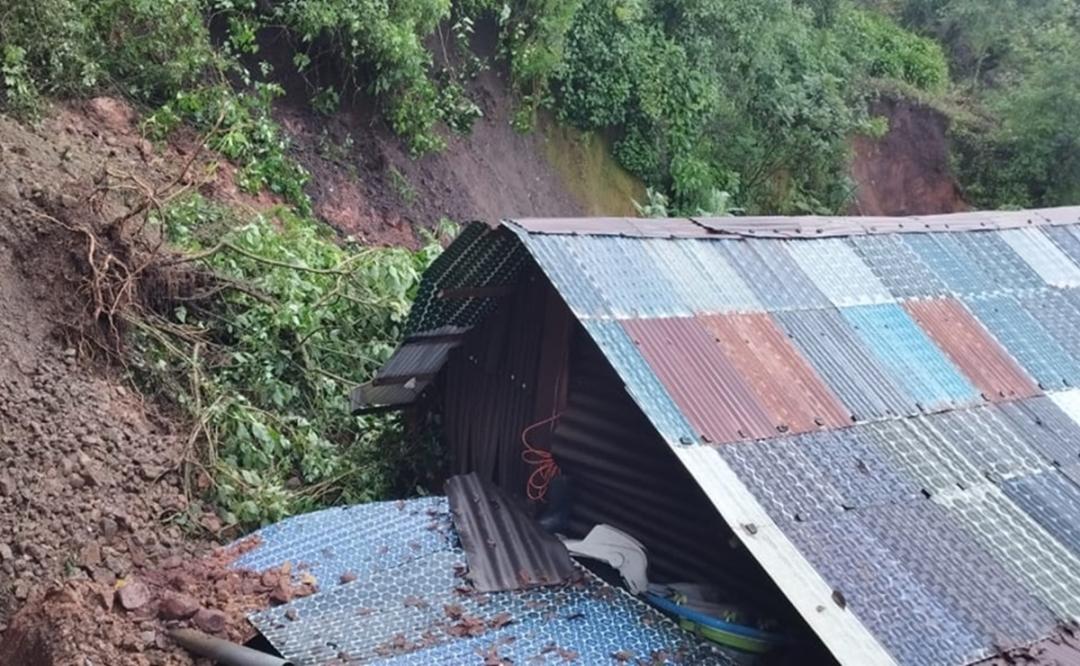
148,637
347,577
109,528
172,562
9,192
90,556
210,621
177,607
7,485
5,553
282,593
269,578
22,591
133,595
111,112
292,615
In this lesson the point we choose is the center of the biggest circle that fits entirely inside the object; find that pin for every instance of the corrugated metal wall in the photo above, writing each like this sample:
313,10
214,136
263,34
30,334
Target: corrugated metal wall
623,474
504,378
529,361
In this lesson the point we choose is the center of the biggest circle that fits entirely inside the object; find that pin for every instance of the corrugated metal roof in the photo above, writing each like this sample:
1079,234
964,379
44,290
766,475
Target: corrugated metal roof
846,363
1042,564
504,548
1043,256
950,263
838,272
969,346
898,267
772,275
748,343
913,360
785,384
389,592
922,628
1026,340
702,381
999,261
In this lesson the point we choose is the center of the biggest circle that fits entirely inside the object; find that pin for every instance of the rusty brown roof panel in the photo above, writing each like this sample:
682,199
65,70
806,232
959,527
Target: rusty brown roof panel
972,349
785,383
505,549
704,384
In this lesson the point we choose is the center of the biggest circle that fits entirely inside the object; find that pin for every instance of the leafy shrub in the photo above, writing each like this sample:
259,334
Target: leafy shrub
265,369
886,50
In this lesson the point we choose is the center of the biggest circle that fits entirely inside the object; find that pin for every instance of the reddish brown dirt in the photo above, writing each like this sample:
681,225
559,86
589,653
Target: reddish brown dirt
90,494
907,171
365,183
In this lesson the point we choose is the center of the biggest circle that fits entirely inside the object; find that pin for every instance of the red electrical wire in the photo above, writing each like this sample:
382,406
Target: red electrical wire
546,469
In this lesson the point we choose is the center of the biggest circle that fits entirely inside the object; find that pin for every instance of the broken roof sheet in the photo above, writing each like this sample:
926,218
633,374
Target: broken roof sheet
748,343
391,592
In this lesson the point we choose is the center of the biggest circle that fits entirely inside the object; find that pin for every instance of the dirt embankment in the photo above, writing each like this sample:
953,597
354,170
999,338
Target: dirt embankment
906,172
101,548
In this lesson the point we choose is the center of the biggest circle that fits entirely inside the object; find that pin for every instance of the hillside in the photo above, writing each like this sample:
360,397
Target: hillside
214,215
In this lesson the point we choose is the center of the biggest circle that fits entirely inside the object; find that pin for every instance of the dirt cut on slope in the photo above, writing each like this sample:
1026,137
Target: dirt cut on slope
906,172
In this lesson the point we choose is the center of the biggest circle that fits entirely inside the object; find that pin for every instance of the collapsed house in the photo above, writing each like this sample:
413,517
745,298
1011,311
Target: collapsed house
870,423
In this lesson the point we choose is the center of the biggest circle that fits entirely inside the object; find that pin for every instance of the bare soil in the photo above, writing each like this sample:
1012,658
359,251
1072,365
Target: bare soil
907,171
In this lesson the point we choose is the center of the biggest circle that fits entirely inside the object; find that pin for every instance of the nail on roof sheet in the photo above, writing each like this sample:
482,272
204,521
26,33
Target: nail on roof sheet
863,475
971,349
911,357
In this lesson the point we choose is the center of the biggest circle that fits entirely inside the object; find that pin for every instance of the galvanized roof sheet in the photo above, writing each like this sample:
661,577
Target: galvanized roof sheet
390,591
938,524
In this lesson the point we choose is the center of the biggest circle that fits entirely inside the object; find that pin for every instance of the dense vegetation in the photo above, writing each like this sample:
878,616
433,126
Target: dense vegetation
1016,66
717,105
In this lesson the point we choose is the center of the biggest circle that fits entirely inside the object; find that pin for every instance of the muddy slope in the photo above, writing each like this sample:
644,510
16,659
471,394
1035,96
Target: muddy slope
907,171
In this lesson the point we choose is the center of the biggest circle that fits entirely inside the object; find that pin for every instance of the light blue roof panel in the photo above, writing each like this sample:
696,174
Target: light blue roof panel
911,357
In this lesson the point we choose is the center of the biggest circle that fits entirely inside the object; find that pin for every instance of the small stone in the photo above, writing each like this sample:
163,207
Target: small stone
90,556
347,577
109,528
210,621
282,594
292,615
148,637
7,486
269,578
177,607
133,595
172,562
22,591
5,553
